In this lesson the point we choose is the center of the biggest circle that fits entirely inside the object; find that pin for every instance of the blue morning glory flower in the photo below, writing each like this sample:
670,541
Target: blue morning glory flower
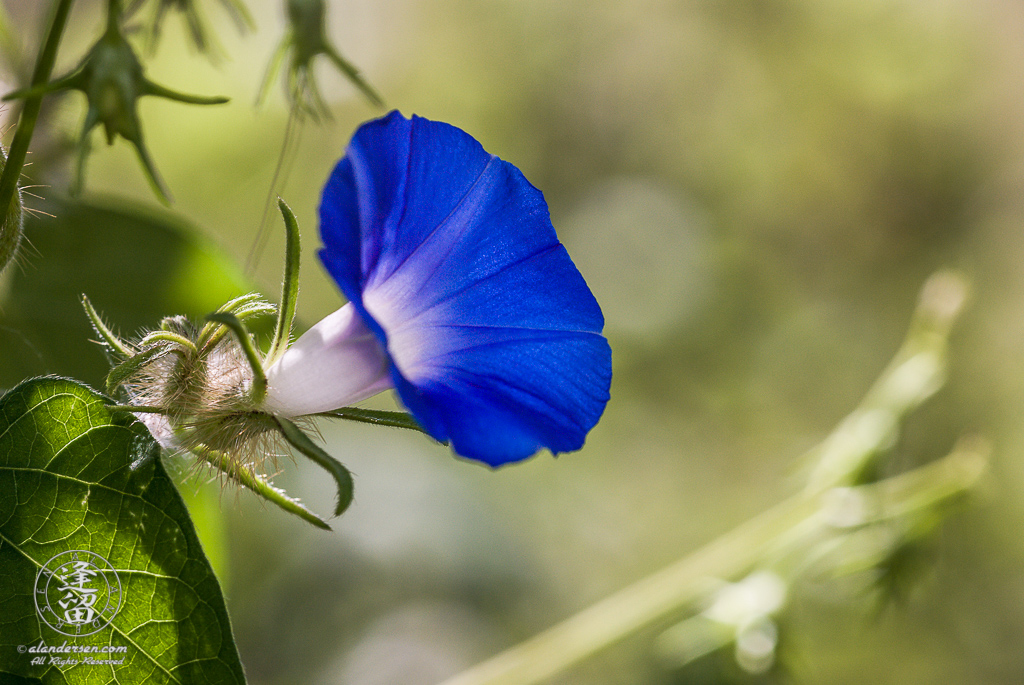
461,298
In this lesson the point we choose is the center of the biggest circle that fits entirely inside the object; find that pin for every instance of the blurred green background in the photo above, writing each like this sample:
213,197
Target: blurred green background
755,191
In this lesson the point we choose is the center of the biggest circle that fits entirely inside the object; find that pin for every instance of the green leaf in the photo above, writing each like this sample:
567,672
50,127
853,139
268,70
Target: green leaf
137,265
74,476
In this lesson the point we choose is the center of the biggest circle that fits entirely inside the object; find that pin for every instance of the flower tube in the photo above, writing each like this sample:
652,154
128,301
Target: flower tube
461,298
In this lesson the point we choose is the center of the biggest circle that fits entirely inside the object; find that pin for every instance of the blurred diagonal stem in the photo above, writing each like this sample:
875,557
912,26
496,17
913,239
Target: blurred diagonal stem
916,372
33,103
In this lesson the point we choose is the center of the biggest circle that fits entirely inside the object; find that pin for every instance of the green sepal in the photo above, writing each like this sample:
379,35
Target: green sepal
353,75
195,22
243,307
247,478
73,80
113,79
150,88
300,441
289,285
75,476
377,417
120,373
156,182
171,337
109,339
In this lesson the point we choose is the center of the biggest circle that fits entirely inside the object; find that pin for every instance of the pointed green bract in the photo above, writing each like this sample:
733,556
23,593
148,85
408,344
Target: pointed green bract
342,476
132,365
377,417
109,339
289,286
247,478
78,477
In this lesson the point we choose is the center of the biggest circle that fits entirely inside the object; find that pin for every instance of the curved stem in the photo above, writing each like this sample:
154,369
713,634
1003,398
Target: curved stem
662,595
30,111
915,373
354,76
658,596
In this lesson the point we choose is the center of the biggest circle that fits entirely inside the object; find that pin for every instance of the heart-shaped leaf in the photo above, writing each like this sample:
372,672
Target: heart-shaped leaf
98,557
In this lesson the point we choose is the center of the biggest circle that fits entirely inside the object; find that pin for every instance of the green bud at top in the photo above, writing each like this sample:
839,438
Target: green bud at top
113,80
10,227
198,29
306,18
305,40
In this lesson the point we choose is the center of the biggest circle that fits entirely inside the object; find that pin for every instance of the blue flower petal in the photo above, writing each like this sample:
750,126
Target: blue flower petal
449,255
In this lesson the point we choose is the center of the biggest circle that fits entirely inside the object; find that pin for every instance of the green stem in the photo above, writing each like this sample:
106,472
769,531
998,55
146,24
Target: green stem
658,596
30,110
914,375
151,88
114,16
665,593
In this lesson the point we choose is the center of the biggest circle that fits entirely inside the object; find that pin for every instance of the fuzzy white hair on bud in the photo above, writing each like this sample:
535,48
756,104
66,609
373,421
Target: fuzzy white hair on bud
203,390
